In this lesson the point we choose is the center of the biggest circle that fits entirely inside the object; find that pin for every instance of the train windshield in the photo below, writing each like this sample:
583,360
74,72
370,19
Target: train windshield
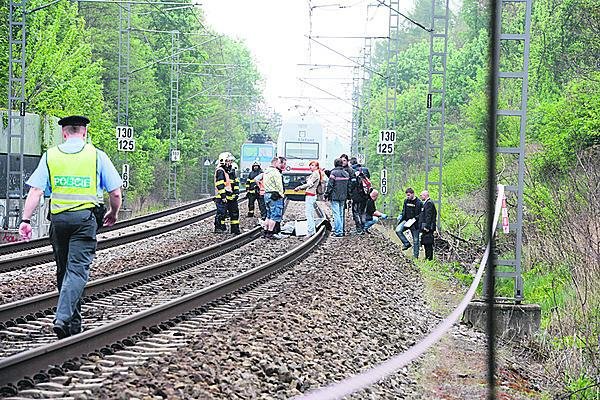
295,150
257,152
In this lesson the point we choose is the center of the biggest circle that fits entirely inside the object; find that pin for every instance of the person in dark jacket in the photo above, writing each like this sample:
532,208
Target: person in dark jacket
408,220
337,193
358,195
253,192
357,167
372,216
351,185
427,224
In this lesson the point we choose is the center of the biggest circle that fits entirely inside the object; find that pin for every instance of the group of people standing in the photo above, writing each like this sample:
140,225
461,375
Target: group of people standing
346,186
262,187
419,217
349,181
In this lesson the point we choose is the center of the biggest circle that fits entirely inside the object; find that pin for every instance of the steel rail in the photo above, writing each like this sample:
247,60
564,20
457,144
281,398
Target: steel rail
45,241
22,365
11,264
26,310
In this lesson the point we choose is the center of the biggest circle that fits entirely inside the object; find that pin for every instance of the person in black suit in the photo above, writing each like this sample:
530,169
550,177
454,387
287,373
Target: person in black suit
427,221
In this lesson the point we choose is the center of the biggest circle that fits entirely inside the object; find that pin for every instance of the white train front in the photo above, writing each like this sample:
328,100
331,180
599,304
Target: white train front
301,140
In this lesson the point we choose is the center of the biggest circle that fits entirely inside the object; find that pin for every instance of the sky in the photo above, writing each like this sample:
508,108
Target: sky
276,33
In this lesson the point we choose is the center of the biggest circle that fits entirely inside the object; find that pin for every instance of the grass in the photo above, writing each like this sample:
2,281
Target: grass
544,285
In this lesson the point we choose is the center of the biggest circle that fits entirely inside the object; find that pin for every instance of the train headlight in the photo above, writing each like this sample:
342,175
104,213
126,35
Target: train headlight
288,168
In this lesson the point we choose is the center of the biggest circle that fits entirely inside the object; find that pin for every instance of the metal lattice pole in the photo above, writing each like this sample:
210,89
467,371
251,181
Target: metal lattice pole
393,49
436,100
511,268
363,143
355,109
16,120
173,116
124,70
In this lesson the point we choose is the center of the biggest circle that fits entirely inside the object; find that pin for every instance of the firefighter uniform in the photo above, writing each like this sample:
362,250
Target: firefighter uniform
253,192
227,190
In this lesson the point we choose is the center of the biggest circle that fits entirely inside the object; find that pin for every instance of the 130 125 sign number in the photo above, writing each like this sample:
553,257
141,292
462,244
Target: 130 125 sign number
388,136
126,144
385,148
124,132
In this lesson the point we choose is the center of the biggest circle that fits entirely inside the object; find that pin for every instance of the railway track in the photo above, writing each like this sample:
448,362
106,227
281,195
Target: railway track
10,248
15,263
116,335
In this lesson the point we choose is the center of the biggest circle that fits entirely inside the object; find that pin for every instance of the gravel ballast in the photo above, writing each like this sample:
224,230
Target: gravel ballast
352,304
31,281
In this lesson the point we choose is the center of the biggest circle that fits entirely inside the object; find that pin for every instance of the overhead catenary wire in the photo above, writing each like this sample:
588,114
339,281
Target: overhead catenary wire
406,17
328,92
171,55
346,57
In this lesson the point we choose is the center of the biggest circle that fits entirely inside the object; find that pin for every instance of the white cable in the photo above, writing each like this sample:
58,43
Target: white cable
381,371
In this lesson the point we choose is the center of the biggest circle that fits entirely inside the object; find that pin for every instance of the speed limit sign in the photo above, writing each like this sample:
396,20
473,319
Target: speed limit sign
125,175
383,181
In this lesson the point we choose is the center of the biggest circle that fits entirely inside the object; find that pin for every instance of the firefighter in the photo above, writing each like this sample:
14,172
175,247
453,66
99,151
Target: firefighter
226,195
252,190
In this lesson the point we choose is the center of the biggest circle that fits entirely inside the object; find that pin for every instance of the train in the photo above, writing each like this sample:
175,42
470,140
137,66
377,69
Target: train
301,139
41,132
252,152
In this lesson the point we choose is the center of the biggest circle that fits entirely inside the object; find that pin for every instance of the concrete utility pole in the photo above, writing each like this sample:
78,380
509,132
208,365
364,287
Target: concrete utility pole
511,268
123,82
506,316
363,135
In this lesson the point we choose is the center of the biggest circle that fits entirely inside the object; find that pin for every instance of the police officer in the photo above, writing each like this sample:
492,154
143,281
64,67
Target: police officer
76,173
227,190
252,191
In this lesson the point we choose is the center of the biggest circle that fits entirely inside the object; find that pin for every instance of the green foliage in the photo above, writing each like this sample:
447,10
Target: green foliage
445,271
465,174
582,387
567,125
564,44
72,68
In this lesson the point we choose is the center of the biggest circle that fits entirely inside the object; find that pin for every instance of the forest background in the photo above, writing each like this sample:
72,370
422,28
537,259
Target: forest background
72,68
561,231
72,59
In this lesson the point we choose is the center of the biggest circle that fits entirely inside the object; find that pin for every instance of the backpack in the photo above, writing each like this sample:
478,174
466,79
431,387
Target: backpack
364,185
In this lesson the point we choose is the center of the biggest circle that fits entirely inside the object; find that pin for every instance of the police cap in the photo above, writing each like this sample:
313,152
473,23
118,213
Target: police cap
74,120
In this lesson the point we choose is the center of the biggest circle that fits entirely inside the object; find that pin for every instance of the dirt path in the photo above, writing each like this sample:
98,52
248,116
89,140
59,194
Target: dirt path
456,367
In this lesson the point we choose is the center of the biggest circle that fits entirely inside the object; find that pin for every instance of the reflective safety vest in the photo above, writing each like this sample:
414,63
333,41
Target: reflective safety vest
73,178
222,186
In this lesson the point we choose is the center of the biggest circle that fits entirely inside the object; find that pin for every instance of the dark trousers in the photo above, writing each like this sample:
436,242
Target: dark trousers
234,215
255,197
73,238
262,207
252,197
220,215
358,209
428,251
427,240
